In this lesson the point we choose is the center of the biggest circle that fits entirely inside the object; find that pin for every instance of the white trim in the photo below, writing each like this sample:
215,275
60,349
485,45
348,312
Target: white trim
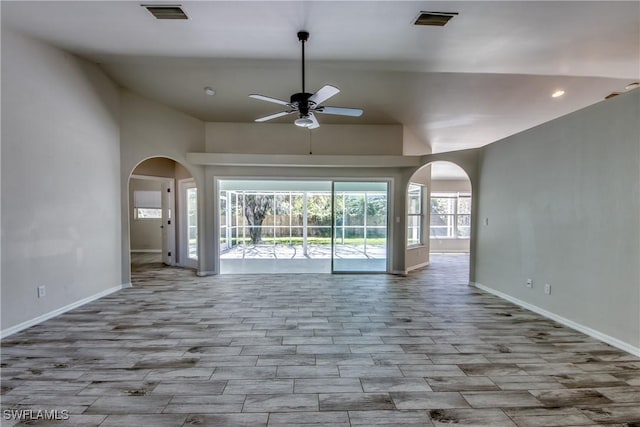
415,267
24,325
563,320
147,251
303,160
182,246
201,273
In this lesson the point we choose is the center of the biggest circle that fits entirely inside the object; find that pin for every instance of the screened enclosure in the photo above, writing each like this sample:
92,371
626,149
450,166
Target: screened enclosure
343,224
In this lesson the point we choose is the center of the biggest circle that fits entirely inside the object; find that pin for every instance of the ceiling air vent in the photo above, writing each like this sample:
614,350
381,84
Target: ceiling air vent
166,11
436,19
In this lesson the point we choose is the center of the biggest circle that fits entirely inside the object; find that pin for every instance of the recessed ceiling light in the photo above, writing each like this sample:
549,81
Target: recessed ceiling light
611,95
557,94
632,85
209,91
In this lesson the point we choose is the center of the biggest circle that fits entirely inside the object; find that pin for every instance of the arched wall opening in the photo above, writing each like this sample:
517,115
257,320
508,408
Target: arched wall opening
439,217
162,215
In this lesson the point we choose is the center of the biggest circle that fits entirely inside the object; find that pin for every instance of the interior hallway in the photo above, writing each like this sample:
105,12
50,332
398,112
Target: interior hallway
356,350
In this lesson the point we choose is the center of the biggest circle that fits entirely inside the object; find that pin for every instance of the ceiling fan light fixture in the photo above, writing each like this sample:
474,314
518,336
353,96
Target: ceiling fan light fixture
434,19
304,122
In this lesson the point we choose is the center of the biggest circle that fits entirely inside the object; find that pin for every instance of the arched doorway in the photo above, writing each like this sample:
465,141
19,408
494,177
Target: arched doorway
439,217
163,227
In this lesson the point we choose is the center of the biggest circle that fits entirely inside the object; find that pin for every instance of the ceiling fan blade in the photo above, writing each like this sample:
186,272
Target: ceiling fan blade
268,99
315,123
325,92
340,111
273,116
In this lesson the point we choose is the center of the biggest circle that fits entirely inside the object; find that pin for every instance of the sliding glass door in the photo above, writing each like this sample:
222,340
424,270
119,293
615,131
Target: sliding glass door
289,226
360,212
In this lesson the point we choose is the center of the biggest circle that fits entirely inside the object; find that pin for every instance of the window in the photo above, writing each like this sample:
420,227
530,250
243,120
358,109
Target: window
414,215
450,215
147,205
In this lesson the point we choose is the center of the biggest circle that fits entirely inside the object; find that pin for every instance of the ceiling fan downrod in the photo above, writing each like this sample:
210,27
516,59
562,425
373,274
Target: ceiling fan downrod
303,36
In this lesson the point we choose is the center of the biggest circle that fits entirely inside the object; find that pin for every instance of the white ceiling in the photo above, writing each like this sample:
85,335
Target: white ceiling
487,74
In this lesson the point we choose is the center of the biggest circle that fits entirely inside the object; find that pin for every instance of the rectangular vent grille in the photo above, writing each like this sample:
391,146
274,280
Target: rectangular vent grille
435,19
166,12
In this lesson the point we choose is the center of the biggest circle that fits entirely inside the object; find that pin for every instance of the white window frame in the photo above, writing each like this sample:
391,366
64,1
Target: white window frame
419,215
452,233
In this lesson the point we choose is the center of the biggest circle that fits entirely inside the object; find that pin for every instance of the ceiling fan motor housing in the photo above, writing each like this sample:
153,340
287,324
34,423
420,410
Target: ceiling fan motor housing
302,101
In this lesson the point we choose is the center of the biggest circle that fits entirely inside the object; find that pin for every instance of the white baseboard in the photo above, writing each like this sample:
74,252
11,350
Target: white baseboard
399,272
146,251
202,273
563,320
417,266
24,325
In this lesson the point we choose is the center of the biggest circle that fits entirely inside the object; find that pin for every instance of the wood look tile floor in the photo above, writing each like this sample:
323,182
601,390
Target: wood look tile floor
335,350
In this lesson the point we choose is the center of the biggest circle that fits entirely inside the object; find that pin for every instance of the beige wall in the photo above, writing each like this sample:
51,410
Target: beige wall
60,181
150,129
284,138
412,145
418,256
157,166
450,185
563,208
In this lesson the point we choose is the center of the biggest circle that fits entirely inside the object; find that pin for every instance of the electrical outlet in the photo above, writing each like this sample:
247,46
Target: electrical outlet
529,283
547,289
42,291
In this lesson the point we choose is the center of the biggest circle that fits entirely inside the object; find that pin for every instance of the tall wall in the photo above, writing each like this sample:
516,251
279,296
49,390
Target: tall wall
562,206
60,180
150,129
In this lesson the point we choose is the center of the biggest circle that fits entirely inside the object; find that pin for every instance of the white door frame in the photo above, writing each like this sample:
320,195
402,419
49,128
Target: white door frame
168,223
183,231
167,205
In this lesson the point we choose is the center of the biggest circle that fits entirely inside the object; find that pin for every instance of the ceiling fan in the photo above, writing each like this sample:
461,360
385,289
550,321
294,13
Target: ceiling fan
306,104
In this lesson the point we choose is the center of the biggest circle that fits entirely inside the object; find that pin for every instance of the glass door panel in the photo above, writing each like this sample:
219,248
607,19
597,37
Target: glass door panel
192,223
360,226
188,223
